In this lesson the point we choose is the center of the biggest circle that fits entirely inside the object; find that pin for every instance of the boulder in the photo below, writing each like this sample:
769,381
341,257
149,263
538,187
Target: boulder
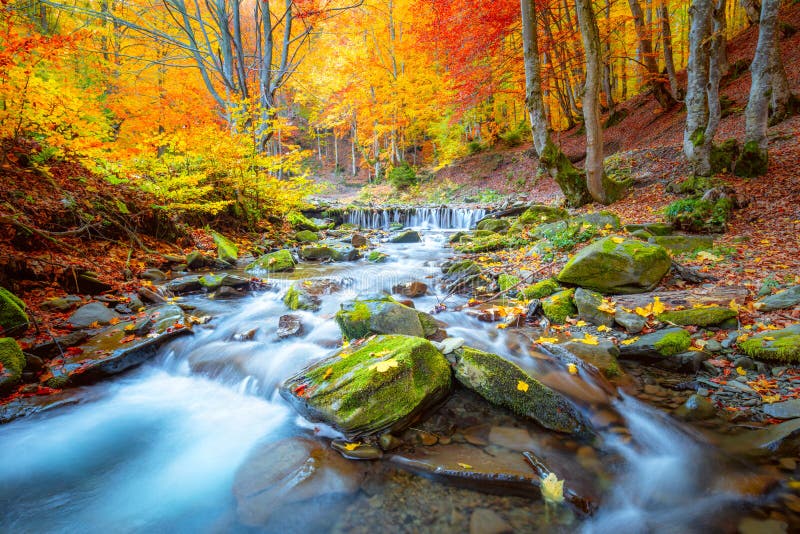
651,228
587,302
541,289
678,244
184,284
617,265
361,318
198,259
301,222
289,325
359,240
227,251
660,344
329,249
377,257
62,304
216,281
154,275
633,323
789,409
89,314
274,262
296,298
504,383
600,219
13,319
118,348
381,385
698,316
411,290
306,236
603,356
494,225
541,213
408,236
12,362
782,345
558,306
279,481
781,300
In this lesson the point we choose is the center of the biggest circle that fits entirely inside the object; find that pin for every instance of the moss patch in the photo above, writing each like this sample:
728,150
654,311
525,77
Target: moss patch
507,281
697,215
673,343
752,161
571,181
781,345
559,306
227,251
698,316
13,318
541,289
306,236
377,257
494,225
13,362
273,262
301,222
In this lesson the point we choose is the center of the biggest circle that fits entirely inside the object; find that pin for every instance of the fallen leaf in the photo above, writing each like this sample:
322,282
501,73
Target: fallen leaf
630,340
572,368
617,240
589,340
741,371
581,323
552,489
385,365
464,466
547,340
351,446
328,373
522,386
658,306
602,328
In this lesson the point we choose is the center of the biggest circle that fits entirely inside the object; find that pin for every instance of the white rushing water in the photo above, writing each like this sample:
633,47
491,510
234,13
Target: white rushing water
437,218
158,451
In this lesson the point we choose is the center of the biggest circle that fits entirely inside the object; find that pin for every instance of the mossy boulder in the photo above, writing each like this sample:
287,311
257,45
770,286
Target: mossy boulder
377,257
301,222
642,234
652,228
461,268
507,281
780,300
482,244
752,161
296,298
587,302
658,345
13,319
781,345
329,249
617,265
13,362
700,216
600,219
383,315
541,289
274,262
306,236
456,237
382,385
494,225
558,306
215,281
504,383
603,356
227,251
479,234
408,236
678,244
698,316
542,213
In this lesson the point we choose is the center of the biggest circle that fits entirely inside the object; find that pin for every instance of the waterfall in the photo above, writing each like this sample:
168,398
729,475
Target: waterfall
439,217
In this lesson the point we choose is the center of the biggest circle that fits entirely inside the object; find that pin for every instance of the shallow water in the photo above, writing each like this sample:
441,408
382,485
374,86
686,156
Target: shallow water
158,451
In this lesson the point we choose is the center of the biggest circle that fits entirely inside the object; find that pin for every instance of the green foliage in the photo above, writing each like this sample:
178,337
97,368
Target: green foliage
565,236
402,176
752,161
44,155
473,147
489,196
515,136
697,215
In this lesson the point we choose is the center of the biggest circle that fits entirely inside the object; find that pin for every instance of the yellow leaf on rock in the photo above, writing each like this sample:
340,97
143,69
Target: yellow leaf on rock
464,466
707,256
351,446
522,386
547,340
630,341
740,371
502,326
129,327
617,240
385,365
732,305
572,368
769,399
581,323
607,306
644,312
589,340
328,373
602,328
658,306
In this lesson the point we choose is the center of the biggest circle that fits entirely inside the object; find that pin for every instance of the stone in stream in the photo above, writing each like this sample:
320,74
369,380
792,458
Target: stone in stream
558,306
789,409
781,345
633,323
12,362
306,236
603,356
330,249
154,275
660,344
698,316
780,300
504,383
274,262
13,319
617,265
184,284
307,295
377,257
486,521
383,315
382,385
227,251
408,236
411,290
118,348
587,302
696,408
61,304
289,325
54,346
216,281
279,482
359,240
89,314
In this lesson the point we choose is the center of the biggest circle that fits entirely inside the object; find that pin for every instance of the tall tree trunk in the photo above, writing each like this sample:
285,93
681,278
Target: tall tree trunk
753,159
654,79
596,179
695,145
607,65
569,179
752,9
669,60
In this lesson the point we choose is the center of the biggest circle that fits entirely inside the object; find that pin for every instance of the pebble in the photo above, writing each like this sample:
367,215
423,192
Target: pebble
744,362
712,345
777,371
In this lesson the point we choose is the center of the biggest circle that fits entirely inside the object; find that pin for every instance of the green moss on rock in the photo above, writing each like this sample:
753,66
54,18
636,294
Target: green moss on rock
559,306
273,262
227,251
698,316
752,161
360,318
542,213
781,345
301,222
377,257
494,225
306,236
13,362
483,244
380,386
504,383
13,318
296,299
541,289
507,281
673,343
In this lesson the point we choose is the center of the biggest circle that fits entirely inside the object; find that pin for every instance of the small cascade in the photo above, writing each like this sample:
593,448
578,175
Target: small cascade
438,217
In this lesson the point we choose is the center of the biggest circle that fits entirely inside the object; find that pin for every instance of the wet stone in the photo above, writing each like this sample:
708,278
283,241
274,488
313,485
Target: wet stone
485,521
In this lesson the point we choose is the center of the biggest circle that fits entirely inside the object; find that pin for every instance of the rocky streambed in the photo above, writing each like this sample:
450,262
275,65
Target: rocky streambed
241,409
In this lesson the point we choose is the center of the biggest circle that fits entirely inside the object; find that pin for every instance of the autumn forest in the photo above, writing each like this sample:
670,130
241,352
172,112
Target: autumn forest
400,266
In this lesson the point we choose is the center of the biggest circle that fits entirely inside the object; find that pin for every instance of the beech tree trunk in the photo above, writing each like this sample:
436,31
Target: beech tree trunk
595,175
752,9
646,56
753,160
669,60
569,179
695,144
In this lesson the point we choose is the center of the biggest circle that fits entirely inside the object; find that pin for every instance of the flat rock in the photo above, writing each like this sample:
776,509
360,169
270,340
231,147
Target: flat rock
94,312
780,300
789,409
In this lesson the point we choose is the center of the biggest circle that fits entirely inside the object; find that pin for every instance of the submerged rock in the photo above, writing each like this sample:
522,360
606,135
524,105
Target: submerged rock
696,408
280,480
504,383
411,289
330,249
617,265
274,262
382,385
289,325
408,236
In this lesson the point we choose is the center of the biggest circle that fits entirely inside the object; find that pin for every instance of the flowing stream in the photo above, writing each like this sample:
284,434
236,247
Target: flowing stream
157,448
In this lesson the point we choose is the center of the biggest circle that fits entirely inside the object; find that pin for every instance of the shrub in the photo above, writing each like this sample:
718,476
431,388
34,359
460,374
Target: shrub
402,176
